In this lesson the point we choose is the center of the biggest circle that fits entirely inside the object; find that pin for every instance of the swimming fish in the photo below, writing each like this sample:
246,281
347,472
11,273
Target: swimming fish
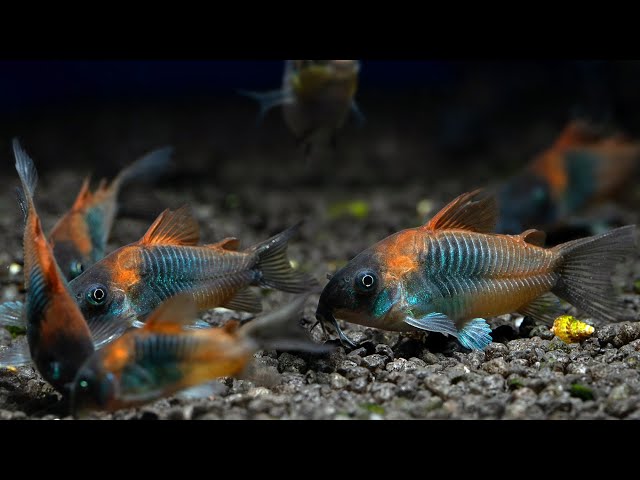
582,167
571,330
166,261
316,97
58,338
80,237
450,274
163,358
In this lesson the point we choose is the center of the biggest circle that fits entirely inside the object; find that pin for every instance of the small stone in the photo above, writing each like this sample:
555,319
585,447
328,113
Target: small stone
359,384
290,363
383,391
374,361
385,350
496,366
338,382
495,350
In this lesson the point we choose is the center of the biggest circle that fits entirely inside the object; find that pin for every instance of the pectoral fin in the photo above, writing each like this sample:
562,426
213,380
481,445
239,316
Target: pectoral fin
434,322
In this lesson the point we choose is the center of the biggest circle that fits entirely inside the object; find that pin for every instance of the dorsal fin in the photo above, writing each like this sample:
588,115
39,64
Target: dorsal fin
177,227
84,196
230,243
578,132
467,212
534,237
172,315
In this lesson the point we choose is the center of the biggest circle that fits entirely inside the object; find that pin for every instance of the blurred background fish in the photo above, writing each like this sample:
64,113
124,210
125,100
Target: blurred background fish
163,357
80,237
316,98
585,165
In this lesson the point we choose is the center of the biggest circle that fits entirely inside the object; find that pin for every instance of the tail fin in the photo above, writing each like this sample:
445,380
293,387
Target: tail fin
266,100
279,330
274,264
28,176
585,269
147,168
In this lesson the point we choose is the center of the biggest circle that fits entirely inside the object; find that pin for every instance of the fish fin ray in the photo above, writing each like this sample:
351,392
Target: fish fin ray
433,322
17,354
475,335
534,237
11,315
231,244
274,265
173,227
544,309
246,301
173,315
469,211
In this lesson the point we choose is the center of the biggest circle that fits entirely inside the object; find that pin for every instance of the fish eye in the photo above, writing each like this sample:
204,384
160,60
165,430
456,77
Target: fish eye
97,295
84,384
76,268
366,281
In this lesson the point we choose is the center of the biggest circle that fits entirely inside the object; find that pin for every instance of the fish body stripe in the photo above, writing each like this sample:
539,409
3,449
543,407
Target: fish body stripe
477,274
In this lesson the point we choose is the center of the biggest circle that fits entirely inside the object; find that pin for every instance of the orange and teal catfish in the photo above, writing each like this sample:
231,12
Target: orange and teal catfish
163,357
582,167
451,274
167,261
59,339
80,237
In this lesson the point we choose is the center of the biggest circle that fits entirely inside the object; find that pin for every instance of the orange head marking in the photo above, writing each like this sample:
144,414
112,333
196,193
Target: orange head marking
399,255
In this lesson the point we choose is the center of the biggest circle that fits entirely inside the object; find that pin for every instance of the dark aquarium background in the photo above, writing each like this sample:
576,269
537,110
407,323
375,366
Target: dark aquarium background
425,120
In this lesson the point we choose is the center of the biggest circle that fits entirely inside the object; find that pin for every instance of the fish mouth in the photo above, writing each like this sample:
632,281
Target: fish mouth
324,315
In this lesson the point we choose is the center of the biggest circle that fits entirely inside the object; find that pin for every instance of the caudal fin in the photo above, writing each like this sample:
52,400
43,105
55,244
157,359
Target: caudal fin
585,269
147,168
275,267
280,330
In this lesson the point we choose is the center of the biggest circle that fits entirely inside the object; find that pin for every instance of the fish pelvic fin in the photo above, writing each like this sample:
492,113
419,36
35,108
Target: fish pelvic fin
267,100
475,335
173,227
433,322
11,315
17,354
544,309
586,266
471,211
275,268
173,315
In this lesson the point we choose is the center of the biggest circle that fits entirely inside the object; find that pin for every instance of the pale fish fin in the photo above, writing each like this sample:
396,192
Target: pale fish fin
15,355
475,335
105,329
267,100
434,322
206,390
545,309
357,114
245,301
11,315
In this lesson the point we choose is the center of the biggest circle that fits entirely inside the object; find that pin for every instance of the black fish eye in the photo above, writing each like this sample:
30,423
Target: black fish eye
97,295
366,282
